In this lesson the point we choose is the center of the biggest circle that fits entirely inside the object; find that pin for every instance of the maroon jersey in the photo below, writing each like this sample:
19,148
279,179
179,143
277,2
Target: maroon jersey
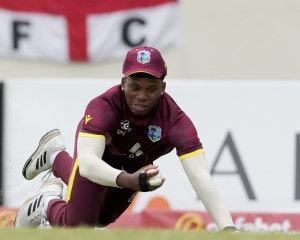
133,143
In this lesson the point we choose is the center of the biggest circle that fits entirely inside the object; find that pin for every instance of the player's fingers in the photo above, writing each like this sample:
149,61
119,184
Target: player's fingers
148,167
149,178
152,172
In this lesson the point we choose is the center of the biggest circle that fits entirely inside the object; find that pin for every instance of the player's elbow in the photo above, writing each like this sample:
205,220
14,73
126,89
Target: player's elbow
83,166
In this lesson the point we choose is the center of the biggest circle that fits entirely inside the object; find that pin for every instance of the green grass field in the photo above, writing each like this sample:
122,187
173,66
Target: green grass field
116,234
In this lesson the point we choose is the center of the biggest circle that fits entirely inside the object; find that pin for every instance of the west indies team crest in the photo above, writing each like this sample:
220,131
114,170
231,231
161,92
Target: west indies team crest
154,133
143,56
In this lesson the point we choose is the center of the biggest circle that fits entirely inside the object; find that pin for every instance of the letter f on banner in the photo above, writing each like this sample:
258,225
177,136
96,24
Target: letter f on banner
17,33
240,169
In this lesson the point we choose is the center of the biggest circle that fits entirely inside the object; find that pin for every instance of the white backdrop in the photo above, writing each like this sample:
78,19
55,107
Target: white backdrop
262,117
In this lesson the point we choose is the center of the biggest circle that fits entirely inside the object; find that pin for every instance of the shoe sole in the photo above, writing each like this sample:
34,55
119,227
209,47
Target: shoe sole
43,141
46,184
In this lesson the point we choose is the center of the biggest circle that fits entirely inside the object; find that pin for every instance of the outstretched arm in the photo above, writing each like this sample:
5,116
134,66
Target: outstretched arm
199,176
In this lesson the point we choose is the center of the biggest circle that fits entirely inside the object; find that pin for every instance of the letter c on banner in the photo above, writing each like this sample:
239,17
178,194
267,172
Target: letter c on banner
189,221
125,32
7,218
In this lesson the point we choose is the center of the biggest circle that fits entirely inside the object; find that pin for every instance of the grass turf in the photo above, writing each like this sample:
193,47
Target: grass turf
117,234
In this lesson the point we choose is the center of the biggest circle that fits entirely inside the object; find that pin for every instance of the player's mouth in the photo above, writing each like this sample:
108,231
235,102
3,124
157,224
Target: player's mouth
139,107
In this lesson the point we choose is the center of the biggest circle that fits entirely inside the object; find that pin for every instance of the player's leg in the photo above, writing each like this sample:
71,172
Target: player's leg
50,150
88,204
82,205
62,166
113,203
33,211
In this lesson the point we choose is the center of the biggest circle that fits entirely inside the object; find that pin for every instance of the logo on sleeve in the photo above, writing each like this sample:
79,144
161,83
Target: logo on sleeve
154,133
87,119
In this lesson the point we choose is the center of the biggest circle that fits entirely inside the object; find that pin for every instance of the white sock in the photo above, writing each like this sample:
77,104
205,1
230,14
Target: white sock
53,156
46,202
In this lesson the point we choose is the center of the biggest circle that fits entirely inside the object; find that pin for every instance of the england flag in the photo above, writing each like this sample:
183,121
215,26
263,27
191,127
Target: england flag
85,30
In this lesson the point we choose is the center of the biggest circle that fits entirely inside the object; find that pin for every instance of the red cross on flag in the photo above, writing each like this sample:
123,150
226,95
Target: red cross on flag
85,30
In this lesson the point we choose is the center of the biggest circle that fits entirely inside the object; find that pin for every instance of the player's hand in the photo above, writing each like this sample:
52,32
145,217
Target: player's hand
139,181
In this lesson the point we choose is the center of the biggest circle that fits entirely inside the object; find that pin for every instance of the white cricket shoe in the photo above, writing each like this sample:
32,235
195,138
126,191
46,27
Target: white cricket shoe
39,161
32,212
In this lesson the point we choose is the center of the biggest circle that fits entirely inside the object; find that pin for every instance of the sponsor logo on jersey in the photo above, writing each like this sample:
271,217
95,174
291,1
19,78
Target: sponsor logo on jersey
154,133
143,56
87,119
125,125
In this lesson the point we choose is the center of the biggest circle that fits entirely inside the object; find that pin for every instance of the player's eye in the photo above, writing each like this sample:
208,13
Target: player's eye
151,90
135,88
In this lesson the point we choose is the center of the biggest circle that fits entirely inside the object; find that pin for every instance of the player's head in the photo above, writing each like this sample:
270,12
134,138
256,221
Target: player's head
144,60
144,70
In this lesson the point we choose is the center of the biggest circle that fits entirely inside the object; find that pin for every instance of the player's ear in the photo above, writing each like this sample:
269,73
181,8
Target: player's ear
123,81
164,87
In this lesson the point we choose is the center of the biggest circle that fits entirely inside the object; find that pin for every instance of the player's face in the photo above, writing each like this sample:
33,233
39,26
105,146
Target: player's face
142,94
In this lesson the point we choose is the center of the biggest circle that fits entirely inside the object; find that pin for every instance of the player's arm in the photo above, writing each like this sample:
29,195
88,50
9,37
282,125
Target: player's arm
90,148
196,169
